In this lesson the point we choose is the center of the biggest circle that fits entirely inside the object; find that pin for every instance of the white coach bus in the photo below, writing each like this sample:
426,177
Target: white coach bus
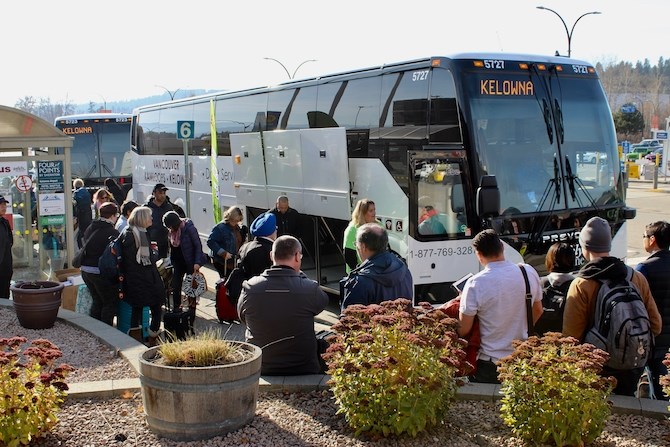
500,141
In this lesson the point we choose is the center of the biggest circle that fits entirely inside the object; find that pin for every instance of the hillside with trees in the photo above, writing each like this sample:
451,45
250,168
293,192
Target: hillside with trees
49,111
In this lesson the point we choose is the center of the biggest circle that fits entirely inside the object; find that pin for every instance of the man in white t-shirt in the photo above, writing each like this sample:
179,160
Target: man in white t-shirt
497,295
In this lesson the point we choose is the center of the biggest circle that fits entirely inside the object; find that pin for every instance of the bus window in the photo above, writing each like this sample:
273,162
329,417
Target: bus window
359,106
444,117
303,103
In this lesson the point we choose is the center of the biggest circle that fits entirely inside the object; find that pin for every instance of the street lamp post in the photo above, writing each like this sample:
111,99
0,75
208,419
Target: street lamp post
286,69
172,94
569,33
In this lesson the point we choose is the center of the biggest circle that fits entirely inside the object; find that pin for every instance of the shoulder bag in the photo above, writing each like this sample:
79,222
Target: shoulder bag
529,302
76,259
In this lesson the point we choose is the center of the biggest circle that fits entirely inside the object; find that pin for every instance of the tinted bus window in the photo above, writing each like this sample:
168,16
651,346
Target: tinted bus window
167,129
303,105
359,106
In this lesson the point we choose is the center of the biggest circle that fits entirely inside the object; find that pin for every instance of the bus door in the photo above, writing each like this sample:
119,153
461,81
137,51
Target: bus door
441,223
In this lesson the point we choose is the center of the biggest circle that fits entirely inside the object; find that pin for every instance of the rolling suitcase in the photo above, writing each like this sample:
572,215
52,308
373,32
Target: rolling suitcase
226,311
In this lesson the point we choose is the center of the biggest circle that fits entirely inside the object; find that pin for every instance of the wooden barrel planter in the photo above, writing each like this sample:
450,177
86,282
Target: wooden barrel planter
36,303
195,403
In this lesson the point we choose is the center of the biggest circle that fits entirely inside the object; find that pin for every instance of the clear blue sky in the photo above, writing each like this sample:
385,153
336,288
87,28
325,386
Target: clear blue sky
81,51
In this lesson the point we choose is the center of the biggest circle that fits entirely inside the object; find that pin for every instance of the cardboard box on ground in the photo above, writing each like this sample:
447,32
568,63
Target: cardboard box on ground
72,278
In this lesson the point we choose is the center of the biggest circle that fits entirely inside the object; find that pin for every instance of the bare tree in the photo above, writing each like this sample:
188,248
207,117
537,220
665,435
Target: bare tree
43,107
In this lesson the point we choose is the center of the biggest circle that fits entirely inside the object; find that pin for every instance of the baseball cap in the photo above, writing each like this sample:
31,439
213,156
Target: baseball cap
160,187
3,200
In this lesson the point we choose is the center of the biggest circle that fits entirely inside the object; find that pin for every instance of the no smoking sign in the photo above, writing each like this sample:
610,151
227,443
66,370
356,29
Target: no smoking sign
24,183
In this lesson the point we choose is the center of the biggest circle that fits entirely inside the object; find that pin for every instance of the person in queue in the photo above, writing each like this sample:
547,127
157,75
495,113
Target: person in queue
142,284
159,205
82,208
288,219
364,212
254,256
117,192
278,307
656,268
6,243
595,240
225,240
501,311
185,251
381,276
105,297
560,263
100,197
127,207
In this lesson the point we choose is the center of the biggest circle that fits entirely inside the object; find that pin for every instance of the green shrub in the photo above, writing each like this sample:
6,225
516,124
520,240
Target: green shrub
31,389
392,366
552,390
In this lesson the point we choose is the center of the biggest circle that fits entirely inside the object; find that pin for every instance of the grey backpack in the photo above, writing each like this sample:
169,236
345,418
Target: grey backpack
622,326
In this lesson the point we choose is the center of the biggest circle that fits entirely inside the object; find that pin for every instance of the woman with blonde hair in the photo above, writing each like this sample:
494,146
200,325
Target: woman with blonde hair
225,240
364,212
142,284
101,196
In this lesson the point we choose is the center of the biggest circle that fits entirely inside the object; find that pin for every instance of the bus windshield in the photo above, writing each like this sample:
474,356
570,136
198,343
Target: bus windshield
101,147
524,150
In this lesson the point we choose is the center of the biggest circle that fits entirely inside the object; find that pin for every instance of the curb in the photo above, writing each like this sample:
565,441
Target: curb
130,349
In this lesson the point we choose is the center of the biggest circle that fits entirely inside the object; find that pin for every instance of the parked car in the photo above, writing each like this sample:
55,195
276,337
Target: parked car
590,157
638,152
648,144
651,156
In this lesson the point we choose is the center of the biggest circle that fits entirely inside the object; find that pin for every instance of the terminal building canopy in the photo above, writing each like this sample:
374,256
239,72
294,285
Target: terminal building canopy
19,129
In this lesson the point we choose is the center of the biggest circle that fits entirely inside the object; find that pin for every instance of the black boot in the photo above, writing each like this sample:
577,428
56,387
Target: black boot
136,333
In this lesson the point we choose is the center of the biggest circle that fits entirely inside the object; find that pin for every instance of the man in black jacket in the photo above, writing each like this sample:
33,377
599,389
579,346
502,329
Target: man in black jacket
157,232
288,219
278,308
6,242
656,268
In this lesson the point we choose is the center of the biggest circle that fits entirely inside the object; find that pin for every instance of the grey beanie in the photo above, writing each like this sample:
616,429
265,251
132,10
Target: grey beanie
596,235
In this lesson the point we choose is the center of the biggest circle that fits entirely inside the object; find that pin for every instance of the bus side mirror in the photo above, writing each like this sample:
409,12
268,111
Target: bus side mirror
488,197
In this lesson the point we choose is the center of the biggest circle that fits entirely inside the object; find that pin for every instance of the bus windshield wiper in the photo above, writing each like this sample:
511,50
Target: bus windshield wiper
547,121
572,179
539,224
558,113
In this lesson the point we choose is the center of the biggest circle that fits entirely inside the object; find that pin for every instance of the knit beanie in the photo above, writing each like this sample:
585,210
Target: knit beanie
264,225
596,235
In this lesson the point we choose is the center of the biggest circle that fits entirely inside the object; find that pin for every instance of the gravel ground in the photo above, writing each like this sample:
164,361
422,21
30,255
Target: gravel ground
91,359
297,419
309,419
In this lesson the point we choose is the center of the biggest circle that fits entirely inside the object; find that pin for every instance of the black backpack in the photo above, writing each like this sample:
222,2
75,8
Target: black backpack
553,303
622,326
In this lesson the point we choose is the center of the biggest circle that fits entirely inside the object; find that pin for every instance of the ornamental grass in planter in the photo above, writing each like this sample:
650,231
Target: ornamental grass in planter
393,366
201,387
553,392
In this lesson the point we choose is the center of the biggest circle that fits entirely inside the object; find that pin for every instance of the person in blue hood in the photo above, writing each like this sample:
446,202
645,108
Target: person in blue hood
381,276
